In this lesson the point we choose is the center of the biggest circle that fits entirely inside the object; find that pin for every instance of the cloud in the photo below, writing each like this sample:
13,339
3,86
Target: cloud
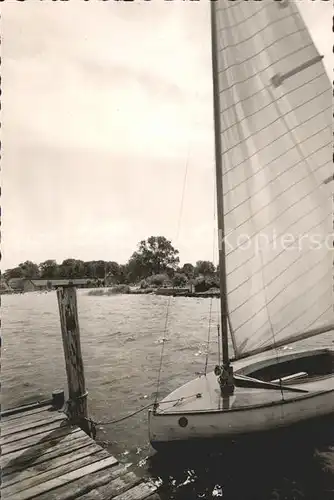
104,104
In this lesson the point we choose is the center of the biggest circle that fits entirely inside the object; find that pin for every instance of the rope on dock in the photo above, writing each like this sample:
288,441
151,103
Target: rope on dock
94,424
132,414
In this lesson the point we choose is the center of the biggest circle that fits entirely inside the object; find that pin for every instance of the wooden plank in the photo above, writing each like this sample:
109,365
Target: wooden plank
30,480
115,487
27,407
74,489
33,469
139,492
31,432
39,453
29,418
39,439
24,414
13,429
64,479
43,447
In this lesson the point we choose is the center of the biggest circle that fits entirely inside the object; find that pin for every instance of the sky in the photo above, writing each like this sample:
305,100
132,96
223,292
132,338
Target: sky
105,107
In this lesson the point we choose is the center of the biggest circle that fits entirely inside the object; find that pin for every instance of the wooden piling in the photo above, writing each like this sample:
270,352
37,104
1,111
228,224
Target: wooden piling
77,410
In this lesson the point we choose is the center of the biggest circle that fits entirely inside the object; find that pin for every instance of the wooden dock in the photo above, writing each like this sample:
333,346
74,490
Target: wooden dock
43,457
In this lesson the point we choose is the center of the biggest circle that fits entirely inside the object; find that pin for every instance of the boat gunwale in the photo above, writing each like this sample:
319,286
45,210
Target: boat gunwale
249,369
304,396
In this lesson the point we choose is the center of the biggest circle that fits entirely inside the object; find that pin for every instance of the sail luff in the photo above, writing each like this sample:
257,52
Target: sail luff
219,189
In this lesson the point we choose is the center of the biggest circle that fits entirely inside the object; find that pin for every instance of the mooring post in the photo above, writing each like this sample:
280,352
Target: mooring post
77,404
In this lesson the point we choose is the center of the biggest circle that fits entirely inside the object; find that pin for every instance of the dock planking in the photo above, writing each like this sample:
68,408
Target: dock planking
45,458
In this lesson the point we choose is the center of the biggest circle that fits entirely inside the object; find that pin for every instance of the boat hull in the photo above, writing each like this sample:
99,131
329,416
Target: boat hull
201,414
206,426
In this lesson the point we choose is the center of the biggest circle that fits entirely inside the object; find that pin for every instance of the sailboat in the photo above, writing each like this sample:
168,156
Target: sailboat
272,123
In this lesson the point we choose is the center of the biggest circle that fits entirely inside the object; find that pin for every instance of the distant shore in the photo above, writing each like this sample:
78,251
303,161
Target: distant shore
169,292
132,290
181,293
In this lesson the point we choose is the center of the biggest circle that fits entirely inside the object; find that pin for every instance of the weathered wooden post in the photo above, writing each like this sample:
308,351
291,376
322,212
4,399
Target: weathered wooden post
77,404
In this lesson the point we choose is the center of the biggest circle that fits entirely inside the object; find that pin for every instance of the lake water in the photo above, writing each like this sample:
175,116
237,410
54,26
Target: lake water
121,345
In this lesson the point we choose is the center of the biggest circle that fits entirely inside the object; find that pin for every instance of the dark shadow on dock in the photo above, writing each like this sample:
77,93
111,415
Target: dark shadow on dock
31,454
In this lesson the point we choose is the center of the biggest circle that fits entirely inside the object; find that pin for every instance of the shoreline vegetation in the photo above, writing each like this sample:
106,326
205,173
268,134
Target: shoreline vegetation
173,292
154,268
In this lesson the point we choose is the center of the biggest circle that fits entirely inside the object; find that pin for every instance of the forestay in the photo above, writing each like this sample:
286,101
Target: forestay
275,103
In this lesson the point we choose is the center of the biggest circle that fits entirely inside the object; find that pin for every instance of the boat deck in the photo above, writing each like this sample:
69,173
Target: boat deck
44,458
203,393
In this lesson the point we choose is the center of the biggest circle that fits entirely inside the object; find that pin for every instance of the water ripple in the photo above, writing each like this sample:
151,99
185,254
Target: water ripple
121,343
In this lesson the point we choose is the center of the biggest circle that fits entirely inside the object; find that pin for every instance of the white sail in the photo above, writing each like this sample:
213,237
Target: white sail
275,104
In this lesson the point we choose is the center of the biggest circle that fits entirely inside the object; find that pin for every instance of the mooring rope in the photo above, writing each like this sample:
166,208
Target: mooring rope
94,423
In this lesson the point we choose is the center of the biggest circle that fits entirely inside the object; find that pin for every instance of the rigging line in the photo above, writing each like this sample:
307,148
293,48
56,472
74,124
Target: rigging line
213,260
169,298
184,181
218,333
183,192
162,351
208,341
211,298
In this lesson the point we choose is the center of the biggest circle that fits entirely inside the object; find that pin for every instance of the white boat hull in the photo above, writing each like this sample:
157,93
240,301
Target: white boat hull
225,424
248,411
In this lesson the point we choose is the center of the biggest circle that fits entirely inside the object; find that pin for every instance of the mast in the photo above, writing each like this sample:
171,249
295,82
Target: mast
226,376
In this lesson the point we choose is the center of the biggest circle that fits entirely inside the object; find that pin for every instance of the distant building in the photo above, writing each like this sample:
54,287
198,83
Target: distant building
16,284
33,285
4,288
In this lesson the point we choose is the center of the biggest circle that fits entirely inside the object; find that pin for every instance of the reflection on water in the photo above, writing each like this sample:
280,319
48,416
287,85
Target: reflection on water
286,466
121,344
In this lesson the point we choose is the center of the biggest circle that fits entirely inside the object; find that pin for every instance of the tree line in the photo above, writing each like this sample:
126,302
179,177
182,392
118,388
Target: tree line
155,259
